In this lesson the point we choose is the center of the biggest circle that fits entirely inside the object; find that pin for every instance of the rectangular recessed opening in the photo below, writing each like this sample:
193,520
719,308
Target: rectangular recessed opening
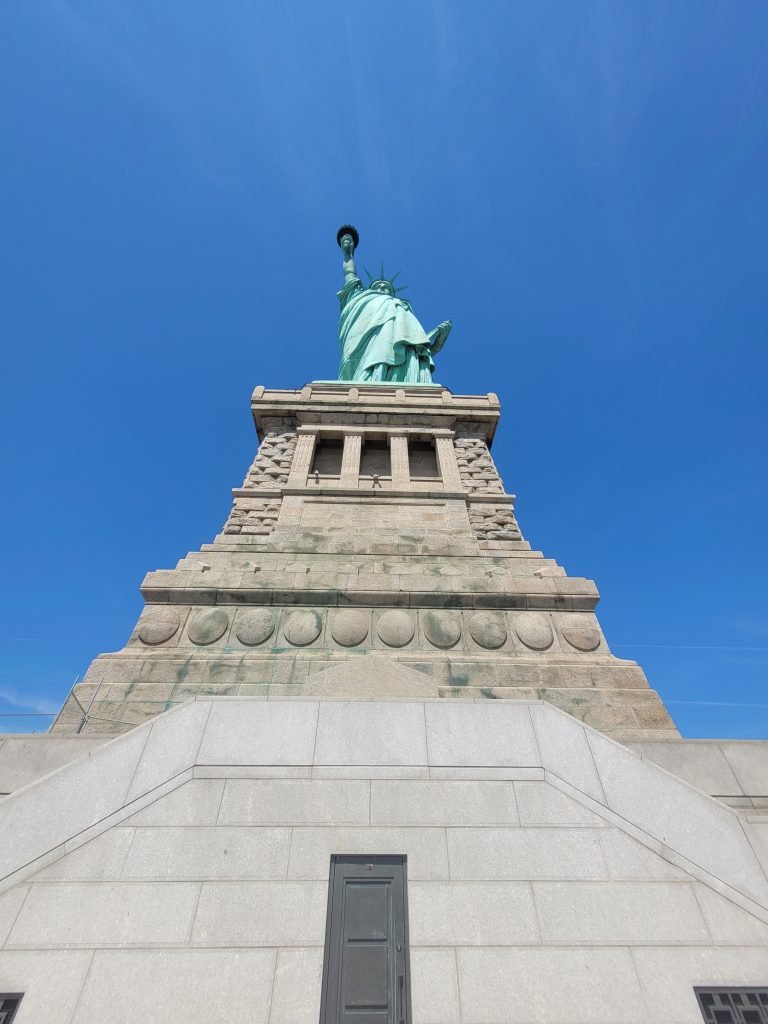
327,460
9,1004
375,459
422,460
733,1005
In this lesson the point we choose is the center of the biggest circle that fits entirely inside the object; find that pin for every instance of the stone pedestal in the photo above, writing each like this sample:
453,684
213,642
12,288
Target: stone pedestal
372,525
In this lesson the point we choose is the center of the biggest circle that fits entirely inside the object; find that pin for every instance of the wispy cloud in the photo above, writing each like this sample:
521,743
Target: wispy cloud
32,705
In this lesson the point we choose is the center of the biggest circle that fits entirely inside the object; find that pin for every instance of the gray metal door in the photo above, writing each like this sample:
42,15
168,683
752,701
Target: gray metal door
365,974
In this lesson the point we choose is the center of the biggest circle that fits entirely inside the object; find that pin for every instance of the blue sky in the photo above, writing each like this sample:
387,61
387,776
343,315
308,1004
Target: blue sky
581,187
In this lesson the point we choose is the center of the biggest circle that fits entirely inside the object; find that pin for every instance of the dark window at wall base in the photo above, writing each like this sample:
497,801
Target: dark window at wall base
733,1005
366,974
9,1004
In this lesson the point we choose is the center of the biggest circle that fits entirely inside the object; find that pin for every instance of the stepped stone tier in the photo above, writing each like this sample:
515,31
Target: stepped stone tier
371,550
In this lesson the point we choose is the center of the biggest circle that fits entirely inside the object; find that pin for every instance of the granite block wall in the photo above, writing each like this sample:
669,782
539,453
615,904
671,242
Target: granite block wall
553,875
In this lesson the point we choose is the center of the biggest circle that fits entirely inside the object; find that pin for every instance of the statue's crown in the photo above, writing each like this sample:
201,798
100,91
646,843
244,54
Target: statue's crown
383,279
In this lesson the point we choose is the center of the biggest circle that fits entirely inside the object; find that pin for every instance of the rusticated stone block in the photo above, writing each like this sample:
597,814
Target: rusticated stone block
477,470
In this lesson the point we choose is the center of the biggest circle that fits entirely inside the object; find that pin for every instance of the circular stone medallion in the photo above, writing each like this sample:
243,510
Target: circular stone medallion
303,628
349,628
488,630
442,629
396,628
206,627
534,630
583,638
158,627
253,628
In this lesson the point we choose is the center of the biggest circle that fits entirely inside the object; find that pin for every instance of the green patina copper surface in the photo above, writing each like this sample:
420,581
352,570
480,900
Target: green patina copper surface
380,338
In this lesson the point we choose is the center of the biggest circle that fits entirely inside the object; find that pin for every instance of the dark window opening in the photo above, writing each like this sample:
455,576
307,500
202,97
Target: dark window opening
366,971
375,459
422,459
9,1004
327,460
733,1005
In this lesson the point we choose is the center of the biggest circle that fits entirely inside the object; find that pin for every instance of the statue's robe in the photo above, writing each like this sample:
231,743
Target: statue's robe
381,339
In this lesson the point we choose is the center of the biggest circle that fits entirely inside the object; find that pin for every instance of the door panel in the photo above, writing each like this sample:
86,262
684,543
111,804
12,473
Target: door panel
366,972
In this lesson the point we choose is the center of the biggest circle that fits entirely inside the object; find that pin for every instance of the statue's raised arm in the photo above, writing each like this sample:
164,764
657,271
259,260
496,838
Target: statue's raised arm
348,240
380,338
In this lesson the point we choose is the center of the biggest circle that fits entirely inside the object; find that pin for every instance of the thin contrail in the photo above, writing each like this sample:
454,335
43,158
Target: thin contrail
717,703
691,647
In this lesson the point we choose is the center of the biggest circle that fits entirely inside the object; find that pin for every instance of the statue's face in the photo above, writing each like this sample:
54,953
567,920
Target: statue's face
383,287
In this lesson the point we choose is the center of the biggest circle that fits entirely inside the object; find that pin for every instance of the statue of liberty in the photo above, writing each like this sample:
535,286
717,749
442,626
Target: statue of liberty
380,338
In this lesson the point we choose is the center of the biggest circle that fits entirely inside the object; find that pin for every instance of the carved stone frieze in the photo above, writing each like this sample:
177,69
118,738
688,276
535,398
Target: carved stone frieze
425,629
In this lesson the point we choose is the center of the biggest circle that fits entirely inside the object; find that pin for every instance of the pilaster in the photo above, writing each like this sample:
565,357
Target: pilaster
398,451
302,458
350,460
446,463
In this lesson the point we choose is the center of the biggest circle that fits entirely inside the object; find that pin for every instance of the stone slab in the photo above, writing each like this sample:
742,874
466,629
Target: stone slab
439,803
261,914
480,734
749,762
24,759
525,853
295,802
208,853
434,986
371,733
703,765
550,986
628,913
259,732
477,913
86,914
211,985
298,982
